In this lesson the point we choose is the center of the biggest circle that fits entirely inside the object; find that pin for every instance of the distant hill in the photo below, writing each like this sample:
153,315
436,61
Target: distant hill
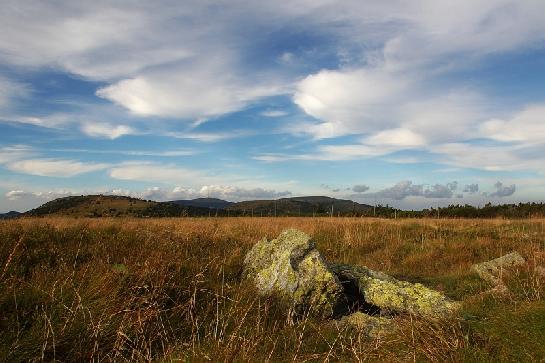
114,206
92,206
120,206
213,203
313,205
9,215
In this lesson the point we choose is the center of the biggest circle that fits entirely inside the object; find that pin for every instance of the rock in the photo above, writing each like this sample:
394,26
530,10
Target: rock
292,267
491,271
389,295
372,326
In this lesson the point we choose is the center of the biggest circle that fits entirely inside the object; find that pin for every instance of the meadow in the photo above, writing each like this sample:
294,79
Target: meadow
123,289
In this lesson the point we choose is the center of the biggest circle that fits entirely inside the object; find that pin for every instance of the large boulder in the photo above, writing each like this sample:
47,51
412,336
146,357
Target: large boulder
292,267
388,295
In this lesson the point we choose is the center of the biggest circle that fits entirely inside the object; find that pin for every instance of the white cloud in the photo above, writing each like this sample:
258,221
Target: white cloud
407,188
11,91
503,191
396,137
492,158
360,188
274,113
172,61
53,167
351,101
527,126
106,130
150,172
39,196
14,152
209,136
205,90
471,188
238,193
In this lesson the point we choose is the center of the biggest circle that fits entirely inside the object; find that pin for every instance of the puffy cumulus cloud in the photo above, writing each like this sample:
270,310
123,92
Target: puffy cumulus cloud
106,130
503,190
407,188
54,167
37,196
440,190
330,188
231,193
174,175
399,191
237,193
348,101
471,188
360,188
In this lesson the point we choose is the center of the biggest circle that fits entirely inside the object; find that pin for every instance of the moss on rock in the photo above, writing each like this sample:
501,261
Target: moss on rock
392,295
292,267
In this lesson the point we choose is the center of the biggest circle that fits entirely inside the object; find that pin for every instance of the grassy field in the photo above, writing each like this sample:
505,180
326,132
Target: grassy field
171,290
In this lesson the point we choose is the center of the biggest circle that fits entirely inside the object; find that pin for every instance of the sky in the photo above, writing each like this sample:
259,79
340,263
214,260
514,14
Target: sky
408,103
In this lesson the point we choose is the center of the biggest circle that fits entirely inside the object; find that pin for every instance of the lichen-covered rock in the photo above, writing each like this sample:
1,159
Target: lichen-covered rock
392,295
490,271
292,267
372,326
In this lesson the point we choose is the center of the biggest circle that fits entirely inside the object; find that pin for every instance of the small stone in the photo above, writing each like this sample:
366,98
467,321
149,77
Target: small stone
491,271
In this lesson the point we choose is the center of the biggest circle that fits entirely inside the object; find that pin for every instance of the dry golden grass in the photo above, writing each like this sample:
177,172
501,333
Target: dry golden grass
171,290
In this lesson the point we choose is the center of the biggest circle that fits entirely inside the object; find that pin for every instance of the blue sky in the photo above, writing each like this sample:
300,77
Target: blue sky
412,104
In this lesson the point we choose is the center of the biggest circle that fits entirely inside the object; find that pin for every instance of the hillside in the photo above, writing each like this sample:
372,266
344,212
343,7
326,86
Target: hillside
213,203
113,206
120,206
92,206
313,205
9,215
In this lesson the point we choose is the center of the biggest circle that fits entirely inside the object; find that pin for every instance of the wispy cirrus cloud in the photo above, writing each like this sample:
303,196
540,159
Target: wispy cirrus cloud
106,130
54,167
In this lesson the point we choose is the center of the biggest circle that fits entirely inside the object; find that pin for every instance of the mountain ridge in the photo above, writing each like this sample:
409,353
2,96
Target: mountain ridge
121,206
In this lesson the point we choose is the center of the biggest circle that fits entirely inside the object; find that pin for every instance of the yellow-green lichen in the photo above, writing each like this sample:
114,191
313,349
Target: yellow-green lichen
291,267
393,295
372,326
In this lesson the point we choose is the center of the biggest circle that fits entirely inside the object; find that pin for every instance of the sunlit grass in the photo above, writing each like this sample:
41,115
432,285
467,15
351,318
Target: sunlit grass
165,289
